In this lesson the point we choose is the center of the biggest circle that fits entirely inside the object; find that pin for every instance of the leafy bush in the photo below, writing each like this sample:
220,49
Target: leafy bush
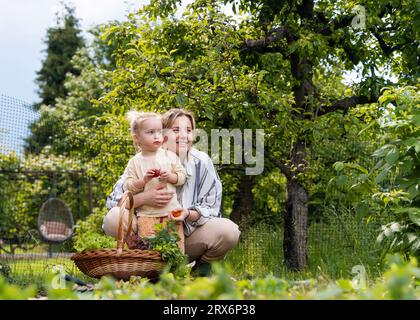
398,170
89,234
14,292
27,183
393,182
400,281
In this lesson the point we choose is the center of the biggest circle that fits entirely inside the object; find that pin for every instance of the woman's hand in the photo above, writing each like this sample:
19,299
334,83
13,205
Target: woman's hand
157,196
178,214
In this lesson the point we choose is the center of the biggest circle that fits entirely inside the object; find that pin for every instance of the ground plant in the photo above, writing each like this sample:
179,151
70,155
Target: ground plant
334,212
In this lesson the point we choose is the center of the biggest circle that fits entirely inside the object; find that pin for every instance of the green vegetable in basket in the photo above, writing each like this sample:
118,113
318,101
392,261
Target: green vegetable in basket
165,242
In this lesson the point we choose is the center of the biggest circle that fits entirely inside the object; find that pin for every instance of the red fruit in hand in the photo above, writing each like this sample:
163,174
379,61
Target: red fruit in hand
156,173
176,213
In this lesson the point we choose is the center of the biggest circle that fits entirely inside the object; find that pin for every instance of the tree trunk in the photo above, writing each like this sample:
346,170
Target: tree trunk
243,200
295,226
296,216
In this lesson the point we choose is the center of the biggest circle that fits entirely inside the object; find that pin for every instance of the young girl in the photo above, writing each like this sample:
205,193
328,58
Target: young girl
150,166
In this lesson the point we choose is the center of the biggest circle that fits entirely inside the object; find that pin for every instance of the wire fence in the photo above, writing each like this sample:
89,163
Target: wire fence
16,116
334,246
32,203
336,243
334,249
36,240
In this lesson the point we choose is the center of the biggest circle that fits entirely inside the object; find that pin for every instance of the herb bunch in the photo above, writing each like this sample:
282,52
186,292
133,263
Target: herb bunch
164,242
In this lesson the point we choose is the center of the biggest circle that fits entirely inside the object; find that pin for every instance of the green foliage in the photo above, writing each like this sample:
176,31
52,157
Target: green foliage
165,242
4,270
27,183
341,152
62,43
269,196
105,147
89,234
14,292
400,281
398,170
392,180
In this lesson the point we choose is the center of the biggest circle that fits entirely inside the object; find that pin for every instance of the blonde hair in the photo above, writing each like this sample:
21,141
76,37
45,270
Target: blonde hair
136,118
170,116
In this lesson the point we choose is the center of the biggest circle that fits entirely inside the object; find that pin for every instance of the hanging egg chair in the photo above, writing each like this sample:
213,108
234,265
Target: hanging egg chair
55,221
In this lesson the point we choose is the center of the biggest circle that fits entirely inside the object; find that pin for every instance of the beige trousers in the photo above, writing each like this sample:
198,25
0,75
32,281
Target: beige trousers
209,242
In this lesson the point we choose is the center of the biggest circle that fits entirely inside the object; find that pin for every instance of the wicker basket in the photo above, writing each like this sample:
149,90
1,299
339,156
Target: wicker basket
120,263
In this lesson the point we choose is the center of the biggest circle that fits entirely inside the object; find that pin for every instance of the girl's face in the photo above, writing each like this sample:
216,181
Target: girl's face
179,136
149,136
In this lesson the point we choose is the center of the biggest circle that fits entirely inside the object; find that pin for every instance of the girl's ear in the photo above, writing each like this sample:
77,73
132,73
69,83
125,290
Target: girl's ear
135,138
165,138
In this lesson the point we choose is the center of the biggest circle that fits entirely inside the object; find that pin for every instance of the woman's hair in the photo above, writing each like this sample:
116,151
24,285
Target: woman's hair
135,119
170,116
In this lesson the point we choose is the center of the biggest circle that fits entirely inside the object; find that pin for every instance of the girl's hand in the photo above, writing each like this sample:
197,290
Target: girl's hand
178,214
150,174
164,175
156,173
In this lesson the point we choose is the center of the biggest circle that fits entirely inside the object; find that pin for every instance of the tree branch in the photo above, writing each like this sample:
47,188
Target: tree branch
262,45
385,48
306,9
331,26
345,104
285,169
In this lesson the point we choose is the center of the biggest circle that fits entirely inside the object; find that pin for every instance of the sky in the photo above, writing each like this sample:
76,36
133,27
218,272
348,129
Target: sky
23,27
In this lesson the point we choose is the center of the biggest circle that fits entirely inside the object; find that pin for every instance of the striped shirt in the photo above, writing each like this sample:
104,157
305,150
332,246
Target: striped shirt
201,192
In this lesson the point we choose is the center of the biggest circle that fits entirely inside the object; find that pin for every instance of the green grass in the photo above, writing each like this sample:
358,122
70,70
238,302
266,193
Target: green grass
335,246
24,272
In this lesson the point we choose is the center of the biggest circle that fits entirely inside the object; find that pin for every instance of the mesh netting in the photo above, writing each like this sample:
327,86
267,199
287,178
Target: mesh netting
15,118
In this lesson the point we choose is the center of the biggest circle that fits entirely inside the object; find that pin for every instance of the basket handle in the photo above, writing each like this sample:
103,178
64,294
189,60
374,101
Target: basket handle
127,196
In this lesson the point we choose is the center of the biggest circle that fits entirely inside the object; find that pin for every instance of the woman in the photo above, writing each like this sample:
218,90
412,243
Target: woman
208,236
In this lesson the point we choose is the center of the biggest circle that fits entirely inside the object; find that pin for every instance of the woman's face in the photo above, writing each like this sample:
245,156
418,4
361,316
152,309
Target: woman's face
180,136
